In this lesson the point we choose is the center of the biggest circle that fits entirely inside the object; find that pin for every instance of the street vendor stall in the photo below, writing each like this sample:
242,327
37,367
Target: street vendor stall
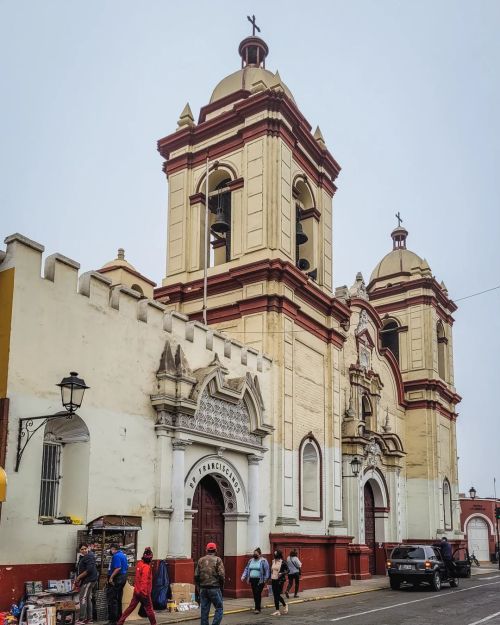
109,529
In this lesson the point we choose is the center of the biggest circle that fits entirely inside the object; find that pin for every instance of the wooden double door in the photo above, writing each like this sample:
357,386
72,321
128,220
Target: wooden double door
370,524
208,522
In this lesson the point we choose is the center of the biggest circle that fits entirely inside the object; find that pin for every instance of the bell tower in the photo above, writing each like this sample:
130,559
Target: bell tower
417,321
269,258
270,182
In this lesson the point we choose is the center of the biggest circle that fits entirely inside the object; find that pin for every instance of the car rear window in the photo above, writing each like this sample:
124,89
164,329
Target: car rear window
408,553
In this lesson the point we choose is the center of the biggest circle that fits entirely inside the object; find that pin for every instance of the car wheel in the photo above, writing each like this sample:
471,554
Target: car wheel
436,581
454,582
395,584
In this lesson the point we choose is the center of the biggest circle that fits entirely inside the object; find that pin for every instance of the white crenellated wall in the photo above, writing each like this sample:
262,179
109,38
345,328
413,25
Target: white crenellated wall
63,321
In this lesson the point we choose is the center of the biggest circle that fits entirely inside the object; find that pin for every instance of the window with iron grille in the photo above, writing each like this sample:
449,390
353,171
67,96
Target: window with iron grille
49,489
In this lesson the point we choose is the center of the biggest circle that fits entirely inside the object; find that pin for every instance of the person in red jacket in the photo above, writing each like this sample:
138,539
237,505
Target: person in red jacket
142,589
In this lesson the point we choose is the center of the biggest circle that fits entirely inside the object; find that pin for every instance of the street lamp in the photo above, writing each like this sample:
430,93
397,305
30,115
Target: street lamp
355,467
72,391
472,492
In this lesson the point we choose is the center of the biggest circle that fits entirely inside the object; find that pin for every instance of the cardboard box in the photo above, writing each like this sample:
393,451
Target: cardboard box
37,616
65,605
60,585
51,615
181,593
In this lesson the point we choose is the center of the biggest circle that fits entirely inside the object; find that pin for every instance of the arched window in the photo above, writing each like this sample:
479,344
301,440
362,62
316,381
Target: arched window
441,341
447,508
310,482
219,205
138,288
389,336
65,468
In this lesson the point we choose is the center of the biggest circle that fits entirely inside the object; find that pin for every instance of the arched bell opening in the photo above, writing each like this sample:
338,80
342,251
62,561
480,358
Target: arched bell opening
220,218
306,228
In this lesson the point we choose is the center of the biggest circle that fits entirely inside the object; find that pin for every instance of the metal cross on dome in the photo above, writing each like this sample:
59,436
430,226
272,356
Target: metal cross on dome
254,24
398,217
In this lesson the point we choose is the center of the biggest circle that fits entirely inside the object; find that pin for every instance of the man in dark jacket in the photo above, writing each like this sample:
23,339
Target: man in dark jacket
85,582
209,576
447,554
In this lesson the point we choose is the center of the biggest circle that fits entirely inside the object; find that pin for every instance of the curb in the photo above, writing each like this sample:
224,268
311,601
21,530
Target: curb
196,616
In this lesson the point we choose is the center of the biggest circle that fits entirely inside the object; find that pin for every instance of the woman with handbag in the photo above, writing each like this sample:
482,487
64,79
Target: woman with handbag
294,572
279,571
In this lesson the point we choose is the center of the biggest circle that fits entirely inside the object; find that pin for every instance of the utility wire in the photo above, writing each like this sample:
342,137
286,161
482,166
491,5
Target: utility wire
460,299
476,294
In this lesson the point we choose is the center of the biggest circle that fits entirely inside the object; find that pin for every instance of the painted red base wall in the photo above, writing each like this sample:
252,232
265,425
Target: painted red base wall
181,570
325,559
12,578
359,561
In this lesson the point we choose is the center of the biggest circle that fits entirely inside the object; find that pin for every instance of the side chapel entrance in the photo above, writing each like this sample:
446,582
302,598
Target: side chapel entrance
208,521
370,524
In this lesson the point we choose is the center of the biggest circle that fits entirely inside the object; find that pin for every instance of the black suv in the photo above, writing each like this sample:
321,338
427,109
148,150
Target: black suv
415,564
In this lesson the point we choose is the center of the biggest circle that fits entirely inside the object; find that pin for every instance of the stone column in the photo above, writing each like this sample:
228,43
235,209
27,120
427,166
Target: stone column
176,547
253,529
162,510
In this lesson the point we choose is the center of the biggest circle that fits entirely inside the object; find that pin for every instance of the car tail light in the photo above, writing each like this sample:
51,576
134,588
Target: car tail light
388,564
427,564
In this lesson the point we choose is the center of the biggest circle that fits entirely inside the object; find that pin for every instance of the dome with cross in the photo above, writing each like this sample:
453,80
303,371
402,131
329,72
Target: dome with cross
253,75
400,263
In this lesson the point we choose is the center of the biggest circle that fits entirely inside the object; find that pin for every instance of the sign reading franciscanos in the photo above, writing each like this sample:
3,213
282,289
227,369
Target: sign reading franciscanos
213,466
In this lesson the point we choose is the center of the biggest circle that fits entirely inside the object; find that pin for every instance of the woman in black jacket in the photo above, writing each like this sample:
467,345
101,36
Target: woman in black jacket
279,571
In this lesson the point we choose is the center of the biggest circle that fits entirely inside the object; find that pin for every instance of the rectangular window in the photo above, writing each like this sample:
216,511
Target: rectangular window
49,489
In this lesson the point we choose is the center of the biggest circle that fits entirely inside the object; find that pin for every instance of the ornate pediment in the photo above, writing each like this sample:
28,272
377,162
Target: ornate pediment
209,402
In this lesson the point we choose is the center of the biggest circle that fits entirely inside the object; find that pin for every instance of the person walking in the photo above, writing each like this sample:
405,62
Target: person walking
117,572
210,576
294,572
85,582
256,573
143,585
279,570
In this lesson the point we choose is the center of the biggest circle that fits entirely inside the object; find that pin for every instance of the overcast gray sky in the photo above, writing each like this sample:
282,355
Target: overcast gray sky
407,95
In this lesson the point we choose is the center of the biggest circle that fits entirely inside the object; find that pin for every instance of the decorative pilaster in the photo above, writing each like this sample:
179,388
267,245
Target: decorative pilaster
162,510
253,530
176,547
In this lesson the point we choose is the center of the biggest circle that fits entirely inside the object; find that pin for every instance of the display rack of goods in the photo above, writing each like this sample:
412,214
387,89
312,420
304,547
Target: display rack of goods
106,531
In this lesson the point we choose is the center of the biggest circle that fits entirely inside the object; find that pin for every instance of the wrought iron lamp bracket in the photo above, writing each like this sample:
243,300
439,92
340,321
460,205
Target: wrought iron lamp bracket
27,429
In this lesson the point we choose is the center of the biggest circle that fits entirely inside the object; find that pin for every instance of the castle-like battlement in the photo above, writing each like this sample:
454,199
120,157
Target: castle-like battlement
91,288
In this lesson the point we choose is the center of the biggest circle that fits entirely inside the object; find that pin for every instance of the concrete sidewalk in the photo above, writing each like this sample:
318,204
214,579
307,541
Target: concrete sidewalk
233,606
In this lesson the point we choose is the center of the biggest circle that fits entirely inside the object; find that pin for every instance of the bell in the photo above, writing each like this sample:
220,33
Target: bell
303,264
220,225
300,236
313,274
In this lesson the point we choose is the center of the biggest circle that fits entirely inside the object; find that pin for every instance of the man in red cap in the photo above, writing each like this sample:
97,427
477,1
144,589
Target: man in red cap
209,576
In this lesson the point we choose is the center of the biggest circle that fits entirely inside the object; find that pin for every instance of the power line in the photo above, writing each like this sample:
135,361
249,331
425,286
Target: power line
476,294
459,299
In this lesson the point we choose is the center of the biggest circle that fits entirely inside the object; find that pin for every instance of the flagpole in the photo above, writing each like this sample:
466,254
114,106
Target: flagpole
205,254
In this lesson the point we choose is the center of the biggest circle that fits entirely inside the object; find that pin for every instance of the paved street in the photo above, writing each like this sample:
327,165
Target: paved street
475,602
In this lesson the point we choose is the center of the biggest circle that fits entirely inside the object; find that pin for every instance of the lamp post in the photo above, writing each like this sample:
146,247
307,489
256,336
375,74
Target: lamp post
472,493
72,391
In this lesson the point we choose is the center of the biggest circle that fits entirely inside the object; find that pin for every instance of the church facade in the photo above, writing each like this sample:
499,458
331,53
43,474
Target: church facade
298,416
